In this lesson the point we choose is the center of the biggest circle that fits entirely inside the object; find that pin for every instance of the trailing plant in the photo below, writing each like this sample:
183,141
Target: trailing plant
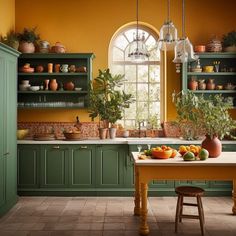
106,100
229,39
29,35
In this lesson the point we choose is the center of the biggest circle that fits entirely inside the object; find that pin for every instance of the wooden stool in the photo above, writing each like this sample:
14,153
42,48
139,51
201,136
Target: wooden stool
188,191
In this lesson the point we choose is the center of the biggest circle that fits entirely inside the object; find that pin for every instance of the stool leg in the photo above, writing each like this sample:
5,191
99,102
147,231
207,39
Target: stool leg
177,213
200,211
181,207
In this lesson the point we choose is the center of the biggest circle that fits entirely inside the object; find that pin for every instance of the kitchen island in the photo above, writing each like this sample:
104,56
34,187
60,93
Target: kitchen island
221,168
96,167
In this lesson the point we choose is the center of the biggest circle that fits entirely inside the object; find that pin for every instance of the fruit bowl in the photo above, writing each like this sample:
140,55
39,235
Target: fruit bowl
72,135
162,154
21,133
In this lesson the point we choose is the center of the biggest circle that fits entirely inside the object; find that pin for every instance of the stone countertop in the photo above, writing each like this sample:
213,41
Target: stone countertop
128,141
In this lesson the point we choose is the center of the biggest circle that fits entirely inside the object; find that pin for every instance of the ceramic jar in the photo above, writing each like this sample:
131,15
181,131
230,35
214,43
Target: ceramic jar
193,84
210,84
201,84
69,86
53,85
64,68
212,145
26,47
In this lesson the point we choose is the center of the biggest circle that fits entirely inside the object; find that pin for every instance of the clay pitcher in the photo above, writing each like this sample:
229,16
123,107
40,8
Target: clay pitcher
53,85
212,145
193,84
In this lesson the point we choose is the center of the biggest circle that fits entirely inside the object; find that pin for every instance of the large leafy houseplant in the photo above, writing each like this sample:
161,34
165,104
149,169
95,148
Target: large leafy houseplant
107,101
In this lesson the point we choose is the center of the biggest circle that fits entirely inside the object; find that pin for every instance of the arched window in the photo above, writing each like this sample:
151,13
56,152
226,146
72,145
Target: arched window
142,80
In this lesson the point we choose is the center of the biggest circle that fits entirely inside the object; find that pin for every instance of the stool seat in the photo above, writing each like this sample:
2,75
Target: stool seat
189,191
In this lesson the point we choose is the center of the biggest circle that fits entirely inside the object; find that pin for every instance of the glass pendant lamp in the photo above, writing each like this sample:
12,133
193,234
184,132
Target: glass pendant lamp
137,49
184,49
168,33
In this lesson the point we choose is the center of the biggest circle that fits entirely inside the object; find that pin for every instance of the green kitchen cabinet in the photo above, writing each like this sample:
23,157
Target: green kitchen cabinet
54,166
82,166
62,97
28,166
110,162
8,146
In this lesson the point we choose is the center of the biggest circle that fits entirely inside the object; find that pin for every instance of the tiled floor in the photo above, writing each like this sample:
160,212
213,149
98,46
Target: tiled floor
111,216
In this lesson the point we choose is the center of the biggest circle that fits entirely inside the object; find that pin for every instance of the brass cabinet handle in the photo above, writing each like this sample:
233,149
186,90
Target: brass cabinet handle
56,147
83,147
7,153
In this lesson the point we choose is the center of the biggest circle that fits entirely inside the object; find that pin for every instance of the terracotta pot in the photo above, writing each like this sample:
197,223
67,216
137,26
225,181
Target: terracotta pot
192,84
69,86
201,84
213,146
26,47
103,133
210,84
53,85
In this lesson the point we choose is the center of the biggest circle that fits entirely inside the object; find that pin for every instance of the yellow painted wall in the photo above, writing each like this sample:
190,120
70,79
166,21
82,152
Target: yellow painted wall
7,16
88,25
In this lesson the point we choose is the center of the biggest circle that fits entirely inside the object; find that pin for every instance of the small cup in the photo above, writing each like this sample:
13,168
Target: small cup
50,67
57,68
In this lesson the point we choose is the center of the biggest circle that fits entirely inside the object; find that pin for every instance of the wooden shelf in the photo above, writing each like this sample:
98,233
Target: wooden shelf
214,91
53,74
211,73
52,92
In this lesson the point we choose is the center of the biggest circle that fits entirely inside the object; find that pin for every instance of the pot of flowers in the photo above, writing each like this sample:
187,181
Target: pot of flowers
210,114
27,39
106,101
229,42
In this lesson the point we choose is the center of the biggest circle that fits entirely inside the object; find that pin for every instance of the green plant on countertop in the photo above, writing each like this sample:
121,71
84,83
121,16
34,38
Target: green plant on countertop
106,100
229,39
29,35
11,39
210,114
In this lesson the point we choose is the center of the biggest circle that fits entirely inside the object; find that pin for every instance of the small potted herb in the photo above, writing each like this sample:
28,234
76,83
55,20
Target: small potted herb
11,39
229,42
27,39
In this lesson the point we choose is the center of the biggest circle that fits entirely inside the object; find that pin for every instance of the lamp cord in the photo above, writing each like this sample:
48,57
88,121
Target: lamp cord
168,11
183,18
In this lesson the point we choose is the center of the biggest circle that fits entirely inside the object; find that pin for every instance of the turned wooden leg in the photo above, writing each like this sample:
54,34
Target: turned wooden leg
144,229
234,197
200,213
137,194
177,214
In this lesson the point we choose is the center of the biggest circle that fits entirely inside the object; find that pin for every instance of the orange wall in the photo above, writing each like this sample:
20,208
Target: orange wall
88,25
7,16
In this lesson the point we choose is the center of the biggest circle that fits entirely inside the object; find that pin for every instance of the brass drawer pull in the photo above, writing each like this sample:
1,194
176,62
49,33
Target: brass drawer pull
83,147
56,147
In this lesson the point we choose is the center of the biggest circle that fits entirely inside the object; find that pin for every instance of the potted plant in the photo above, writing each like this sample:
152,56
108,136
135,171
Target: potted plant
27,39
229,41
209,114
106,101
11,39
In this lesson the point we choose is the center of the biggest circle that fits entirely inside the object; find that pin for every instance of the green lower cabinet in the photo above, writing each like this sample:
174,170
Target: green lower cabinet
82,166
110,162
2,181
54,166
27,169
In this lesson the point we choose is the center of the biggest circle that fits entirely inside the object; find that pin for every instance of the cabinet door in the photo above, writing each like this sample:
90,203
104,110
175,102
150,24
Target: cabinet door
82,166
54,166
110,166
28,166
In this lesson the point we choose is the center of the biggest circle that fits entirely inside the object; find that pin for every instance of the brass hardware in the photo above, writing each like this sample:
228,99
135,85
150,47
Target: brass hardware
83,147
56,147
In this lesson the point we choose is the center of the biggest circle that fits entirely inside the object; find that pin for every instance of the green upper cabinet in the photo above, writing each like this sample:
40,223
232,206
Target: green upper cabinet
110,162
54,166
82,166
224,78
28,166
63,96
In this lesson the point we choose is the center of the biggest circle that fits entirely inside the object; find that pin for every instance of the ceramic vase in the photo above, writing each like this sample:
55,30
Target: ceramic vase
210,84
26,47
192,84
201,84
103,133
212,145
112,133
53,85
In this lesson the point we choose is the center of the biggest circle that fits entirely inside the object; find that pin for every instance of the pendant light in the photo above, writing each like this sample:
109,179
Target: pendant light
184,49
137,49
168,33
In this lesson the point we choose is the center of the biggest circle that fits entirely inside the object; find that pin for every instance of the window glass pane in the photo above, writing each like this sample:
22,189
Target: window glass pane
130,124
117,69
130,34
142,111
130,73
154,108
118,54
142,93
130,113
131,88
150,43
121,42
143,73
154,73
154,92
